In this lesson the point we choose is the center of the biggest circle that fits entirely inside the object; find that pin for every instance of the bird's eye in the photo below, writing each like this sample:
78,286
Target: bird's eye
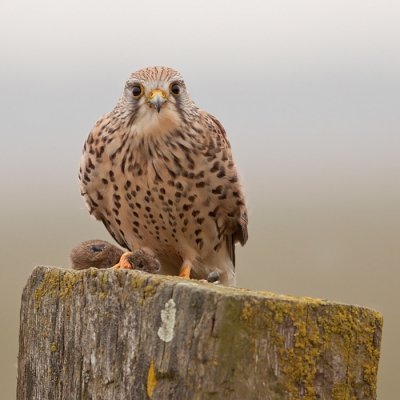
175,89
140,265
137,91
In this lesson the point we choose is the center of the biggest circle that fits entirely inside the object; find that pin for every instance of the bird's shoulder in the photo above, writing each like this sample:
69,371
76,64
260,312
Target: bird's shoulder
105,125
214,127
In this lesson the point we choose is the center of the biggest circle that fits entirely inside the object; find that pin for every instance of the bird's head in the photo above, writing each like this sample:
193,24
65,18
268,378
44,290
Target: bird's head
155,98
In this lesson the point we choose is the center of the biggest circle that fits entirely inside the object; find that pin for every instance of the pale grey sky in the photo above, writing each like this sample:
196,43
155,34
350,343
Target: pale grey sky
309,93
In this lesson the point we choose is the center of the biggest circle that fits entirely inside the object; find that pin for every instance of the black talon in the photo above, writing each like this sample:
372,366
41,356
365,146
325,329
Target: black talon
213,277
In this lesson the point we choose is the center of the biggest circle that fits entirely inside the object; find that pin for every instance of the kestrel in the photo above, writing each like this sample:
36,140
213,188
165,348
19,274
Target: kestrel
158,172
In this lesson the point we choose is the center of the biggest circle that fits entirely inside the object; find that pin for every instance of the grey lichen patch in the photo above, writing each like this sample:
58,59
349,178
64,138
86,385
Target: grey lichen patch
166,330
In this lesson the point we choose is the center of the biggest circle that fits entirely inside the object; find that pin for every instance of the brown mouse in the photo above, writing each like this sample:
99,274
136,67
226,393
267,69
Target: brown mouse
95,253
101,254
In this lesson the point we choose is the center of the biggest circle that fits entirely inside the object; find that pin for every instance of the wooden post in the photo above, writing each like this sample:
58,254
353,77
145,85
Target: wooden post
117,334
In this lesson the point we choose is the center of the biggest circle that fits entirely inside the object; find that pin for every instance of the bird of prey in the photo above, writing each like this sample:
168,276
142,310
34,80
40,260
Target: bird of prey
158,172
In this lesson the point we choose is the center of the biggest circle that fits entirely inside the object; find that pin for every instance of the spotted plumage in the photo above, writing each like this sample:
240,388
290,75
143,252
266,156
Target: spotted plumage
159,173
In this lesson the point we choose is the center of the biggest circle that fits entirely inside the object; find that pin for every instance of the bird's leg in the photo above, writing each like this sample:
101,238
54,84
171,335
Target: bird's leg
185,269
123,262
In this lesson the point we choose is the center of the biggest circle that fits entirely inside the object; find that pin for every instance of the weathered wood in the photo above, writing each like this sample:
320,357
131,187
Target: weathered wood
117,334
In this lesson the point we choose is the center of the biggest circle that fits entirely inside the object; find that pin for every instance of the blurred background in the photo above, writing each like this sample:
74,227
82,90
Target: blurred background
309,93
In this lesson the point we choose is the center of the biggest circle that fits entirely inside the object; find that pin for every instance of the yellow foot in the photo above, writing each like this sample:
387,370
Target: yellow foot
185,271
140,259
123,262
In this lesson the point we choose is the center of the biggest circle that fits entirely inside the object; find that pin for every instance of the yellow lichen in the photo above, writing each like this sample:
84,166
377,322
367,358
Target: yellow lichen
49,286
149,291
104,277
247,311
318,326
300,329
67,284
138,280
151,380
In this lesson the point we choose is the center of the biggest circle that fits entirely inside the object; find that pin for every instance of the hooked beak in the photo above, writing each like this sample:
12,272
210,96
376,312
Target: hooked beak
157,99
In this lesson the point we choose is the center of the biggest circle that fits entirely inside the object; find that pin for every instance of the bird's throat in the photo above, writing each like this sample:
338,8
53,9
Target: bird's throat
150,123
